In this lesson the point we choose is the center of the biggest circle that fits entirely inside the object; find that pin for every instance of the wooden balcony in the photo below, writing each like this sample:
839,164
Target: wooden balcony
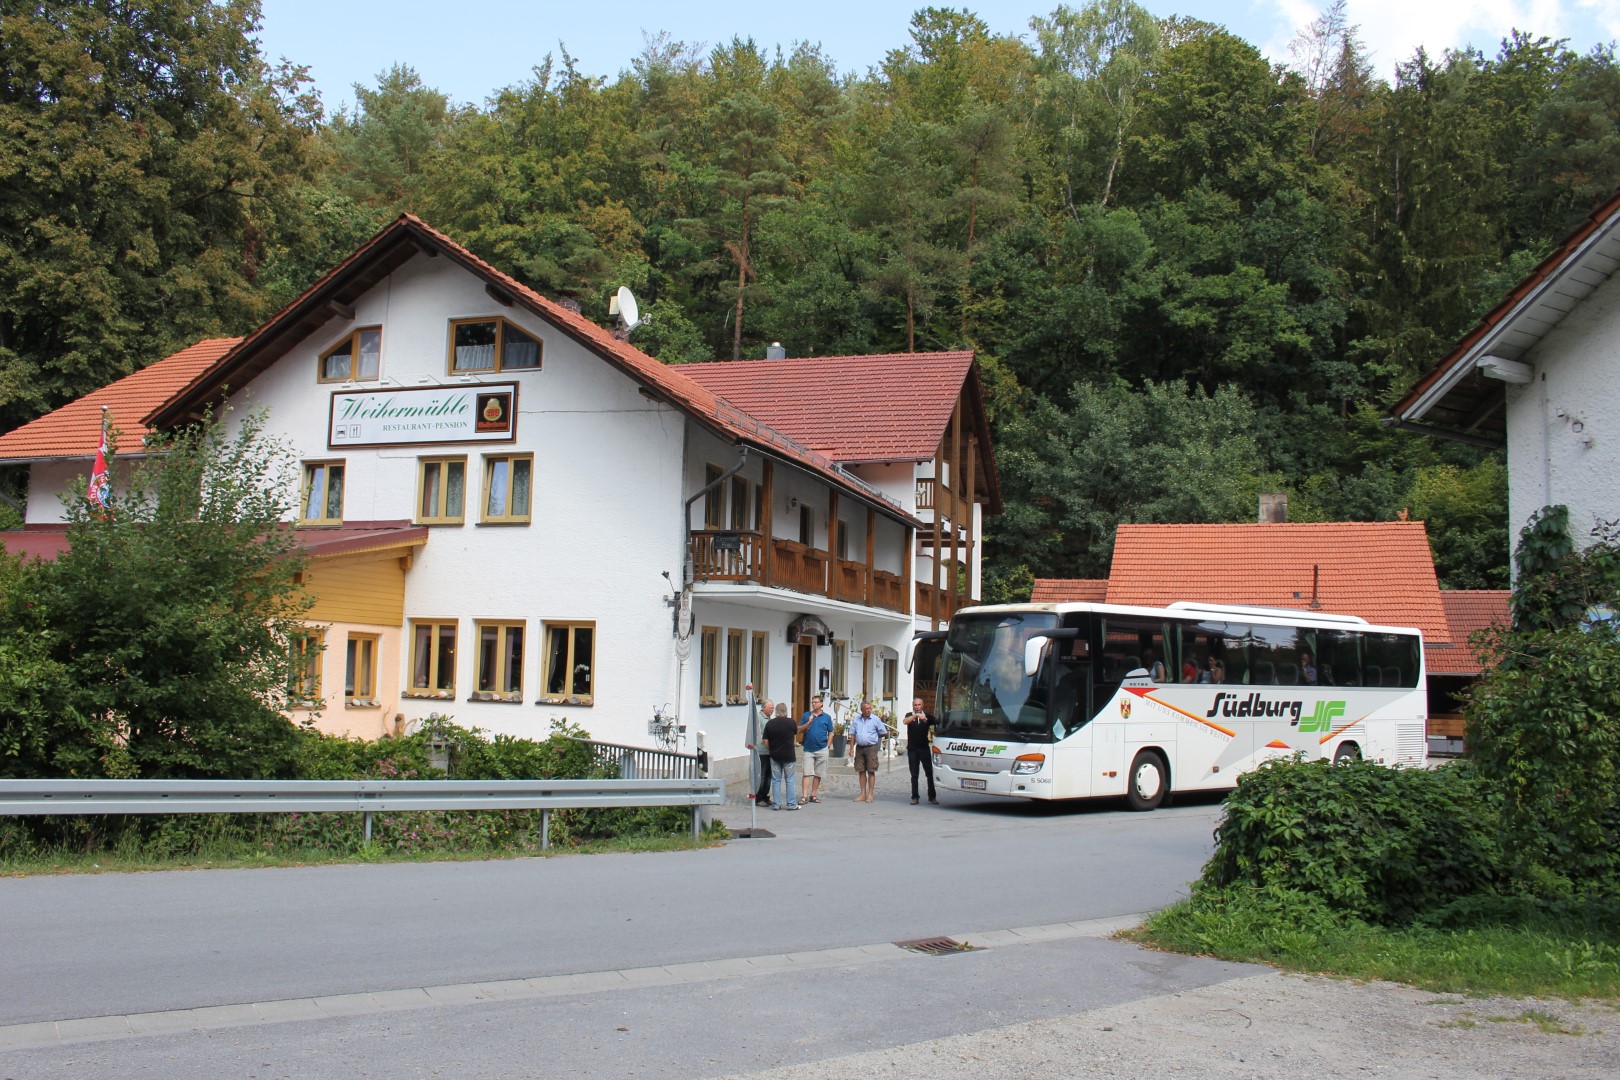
741,557
948,601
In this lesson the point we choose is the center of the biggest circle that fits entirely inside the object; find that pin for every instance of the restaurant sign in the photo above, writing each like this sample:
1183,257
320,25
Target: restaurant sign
485,412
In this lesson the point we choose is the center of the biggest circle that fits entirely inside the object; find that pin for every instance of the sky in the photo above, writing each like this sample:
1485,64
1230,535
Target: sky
469,50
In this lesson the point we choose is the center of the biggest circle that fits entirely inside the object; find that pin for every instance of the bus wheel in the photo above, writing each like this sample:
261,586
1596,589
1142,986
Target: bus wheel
1147,781
1346,753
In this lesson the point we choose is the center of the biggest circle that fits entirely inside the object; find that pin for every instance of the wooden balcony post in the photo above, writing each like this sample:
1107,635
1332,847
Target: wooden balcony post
832,568
956,492
971,504
767,511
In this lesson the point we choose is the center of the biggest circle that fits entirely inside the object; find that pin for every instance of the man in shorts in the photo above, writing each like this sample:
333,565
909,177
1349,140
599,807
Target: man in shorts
866,732
816,727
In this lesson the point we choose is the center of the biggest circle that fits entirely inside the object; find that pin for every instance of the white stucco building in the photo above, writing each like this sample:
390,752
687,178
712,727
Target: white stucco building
513,515
1541,373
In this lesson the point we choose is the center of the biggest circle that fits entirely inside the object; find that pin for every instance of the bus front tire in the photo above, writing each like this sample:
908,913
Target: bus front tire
1147,783
1346,753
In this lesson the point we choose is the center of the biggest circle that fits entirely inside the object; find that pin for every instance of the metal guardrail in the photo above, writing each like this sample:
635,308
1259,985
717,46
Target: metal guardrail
62,797
646,763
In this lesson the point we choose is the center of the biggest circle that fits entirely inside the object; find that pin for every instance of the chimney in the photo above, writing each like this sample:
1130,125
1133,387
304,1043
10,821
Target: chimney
1273,507
774,351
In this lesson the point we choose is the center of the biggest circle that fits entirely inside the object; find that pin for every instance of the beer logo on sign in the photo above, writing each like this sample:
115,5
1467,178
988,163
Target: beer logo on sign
494,412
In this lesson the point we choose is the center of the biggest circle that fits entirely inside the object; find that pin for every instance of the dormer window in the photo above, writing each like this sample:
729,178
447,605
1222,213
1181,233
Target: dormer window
356,358
489,345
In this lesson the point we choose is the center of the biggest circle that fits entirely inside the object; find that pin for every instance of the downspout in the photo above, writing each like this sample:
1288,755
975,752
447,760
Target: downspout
683,598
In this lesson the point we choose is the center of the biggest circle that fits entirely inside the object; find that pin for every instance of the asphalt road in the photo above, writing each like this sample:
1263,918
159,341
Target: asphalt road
703,936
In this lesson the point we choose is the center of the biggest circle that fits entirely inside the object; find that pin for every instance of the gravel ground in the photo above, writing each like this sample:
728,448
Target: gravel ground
1271,1025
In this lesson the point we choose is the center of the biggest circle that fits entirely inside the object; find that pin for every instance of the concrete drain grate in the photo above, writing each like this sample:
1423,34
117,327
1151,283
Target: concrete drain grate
937,946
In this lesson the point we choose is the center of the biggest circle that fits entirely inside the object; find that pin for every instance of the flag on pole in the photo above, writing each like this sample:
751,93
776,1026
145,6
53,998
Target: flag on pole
100,490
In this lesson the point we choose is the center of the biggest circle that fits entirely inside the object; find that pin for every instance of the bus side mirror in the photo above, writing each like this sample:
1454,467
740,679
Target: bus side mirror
1032,654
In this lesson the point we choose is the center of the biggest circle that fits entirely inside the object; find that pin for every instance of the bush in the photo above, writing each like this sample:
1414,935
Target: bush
1381,845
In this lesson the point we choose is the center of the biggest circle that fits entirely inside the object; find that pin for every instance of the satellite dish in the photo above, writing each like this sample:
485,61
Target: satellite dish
628,309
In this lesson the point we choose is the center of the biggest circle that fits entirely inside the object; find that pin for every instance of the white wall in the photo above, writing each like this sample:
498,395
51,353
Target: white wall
1577,373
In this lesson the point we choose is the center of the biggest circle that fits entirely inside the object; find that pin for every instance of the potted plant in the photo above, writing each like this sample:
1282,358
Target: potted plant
838,739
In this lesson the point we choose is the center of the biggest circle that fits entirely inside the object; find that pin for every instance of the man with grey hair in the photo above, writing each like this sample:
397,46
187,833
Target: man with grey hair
779,737
762,796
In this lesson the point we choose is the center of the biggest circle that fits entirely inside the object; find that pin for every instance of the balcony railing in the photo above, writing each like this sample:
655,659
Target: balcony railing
740,556
948,601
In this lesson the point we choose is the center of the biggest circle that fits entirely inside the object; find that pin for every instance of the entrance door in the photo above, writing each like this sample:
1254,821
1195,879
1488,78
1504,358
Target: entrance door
804,674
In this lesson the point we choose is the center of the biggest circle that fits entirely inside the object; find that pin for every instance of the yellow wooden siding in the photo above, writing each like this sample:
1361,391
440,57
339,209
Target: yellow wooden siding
358,589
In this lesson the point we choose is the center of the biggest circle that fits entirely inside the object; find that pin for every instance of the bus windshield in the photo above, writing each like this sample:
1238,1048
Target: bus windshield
984,693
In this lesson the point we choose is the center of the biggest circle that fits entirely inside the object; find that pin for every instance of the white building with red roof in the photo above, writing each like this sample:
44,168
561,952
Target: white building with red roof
1540,374
514,515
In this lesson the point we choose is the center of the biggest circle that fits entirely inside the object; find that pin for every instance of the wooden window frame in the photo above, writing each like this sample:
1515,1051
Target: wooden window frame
329,466
709,666
488,470
843,541
501,324
714,498
352,340
891,676
499,689
741,504
441,517
356,696
435,661
307,647
736,666
840,667
759,652
572,626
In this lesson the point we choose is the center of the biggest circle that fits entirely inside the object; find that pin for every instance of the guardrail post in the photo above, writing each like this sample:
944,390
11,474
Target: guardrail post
696,829
545,829
368,826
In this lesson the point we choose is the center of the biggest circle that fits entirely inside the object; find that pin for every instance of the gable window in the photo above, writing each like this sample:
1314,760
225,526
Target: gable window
441,491
323,493
493,344
360,671
433,658
304,674
709,666
500,661
570,675
355,358
507,482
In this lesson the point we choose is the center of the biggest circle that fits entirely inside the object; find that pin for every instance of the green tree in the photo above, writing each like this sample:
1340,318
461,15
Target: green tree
170,619
385,151
148,157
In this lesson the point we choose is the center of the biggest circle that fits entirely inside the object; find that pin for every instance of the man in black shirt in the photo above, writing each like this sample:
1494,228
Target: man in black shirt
779,738
920,748
762,797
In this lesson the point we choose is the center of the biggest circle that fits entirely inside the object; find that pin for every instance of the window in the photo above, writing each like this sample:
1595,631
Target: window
433,659
441,485
508,479
891,677
709,666
807,526
500,662
360,671
714,498
494,344
740,505
323,493
843,540
570,675
734,667
304,674
756,661
840,667
354,358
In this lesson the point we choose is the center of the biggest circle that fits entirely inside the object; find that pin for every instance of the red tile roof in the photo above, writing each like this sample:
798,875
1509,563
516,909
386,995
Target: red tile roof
1381,570
852,408
1070,591
49,541
74,430
664,382
1468,611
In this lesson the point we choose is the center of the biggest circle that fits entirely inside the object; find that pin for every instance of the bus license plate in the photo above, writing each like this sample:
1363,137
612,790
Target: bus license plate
972,785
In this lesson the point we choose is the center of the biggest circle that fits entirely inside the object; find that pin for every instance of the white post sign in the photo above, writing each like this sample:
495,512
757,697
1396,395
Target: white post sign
483,412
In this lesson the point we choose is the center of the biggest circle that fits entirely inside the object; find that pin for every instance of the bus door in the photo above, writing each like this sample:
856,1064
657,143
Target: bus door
1071,699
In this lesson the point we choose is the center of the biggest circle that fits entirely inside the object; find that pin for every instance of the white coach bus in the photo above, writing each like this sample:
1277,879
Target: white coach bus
1069,701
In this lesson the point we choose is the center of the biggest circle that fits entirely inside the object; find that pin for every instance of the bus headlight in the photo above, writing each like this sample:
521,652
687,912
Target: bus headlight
1028,763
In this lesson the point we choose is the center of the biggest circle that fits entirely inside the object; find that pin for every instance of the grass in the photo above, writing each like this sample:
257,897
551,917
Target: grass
228,852
1564,961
